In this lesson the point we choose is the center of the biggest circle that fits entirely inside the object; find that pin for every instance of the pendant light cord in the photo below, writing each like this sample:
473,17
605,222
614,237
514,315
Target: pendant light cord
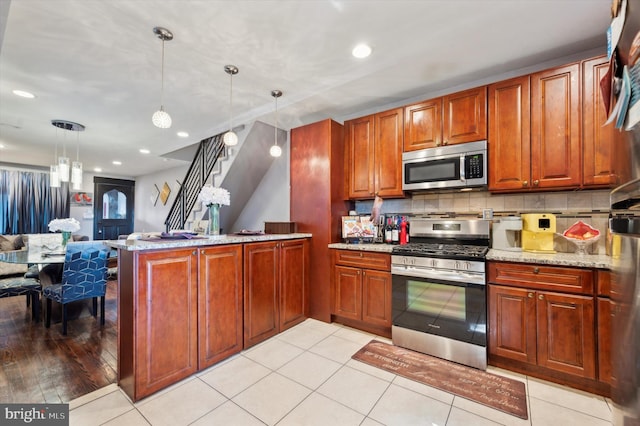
162,78
275,131
231,102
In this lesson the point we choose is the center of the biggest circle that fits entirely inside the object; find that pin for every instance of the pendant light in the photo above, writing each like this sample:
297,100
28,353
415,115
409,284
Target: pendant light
161,118
57,175
275,150
230,138
54,176
63,162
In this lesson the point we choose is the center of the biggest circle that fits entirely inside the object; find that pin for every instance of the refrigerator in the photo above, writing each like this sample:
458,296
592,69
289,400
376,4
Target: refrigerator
624,226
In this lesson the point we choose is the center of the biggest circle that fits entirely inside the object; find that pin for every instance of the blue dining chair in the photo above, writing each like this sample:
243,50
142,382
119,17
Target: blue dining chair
84,276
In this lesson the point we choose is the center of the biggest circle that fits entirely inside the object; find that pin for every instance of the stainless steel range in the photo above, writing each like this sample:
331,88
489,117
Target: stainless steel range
439,290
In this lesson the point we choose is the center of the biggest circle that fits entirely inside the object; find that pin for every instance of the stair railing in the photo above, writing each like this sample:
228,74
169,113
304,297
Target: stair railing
209,152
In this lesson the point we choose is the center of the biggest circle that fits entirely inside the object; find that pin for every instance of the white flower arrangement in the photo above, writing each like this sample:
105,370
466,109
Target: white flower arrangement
210,195
64,225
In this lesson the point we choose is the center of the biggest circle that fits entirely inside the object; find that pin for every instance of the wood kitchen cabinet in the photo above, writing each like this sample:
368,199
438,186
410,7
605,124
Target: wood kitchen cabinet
534,131
275,288
220,332
373,156
601,166
457,118
362,289
157,319
542,322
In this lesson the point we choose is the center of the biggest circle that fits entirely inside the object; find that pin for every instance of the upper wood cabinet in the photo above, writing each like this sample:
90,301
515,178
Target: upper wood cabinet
457,118
374,155
534,131
599,160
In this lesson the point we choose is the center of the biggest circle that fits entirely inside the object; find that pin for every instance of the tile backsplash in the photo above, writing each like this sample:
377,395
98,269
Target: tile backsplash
591,206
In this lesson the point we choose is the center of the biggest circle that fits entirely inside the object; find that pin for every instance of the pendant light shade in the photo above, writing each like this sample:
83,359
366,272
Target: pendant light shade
230,138
275,150
60,172
54,177
161,118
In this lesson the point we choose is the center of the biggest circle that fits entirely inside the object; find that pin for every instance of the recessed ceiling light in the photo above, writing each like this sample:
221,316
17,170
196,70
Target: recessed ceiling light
183,134
24,94
117,163
144,151
1,146
97,169
362,50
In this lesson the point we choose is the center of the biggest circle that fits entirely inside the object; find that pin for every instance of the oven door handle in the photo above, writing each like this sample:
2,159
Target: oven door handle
459,277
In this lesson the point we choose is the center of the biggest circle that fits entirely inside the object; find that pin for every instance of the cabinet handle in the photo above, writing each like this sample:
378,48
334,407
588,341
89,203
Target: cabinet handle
536,270
445,142
536,182
194,252
525,183
530,295
358,272
541,297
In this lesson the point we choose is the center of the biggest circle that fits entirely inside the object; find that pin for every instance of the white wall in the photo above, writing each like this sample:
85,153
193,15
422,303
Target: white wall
270,200
150,217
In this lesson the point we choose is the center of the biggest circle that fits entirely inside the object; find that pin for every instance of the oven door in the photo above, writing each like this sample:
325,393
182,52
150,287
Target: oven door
451,309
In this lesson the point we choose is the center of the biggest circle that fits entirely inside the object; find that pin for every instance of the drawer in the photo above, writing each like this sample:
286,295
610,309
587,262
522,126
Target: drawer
603,282
542,277
363,259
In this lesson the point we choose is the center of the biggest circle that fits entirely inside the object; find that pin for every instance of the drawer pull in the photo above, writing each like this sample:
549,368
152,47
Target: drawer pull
530,295
541,297
536,270
525,183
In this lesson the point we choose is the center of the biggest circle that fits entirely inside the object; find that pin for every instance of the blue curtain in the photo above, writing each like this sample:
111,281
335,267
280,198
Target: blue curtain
28,203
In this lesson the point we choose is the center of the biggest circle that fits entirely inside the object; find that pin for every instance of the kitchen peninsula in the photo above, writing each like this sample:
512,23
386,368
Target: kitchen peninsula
186,304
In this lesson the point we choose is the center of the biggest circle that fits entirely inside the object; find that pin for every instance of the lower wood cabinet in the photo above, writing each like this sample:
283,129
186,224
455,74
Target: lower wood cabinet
362,288
181,310
545,321
219,303
552,330
275,288
157,319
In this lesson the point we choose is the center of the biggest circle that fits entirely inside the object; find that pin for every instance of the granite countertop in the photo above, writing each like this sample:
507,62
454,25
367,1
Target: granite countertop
157,243
598,261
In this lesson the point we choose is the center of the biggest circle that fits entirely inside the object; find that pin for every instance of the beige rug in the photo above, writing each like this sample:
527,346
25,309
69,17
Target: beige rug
494,391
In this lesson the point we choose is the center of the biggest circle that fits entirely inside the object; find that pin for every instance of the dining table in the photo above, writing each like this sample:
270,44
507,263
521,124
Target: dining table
50,264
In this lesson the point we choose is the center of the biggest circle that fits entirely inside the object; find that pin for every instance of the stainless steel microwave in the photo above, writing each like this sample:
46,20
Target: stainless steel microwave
451,166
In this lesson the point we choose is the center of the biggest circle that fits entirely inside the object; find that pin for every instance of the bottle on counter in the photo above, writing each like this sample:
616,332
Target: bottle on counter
395,231
388,232
407,237
403,230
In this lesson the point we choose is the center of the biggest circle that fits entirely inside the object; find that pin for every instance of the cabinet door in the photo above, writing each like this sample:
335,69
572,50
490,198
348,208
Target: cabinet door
512,323
555,128
166,330
294,272
597,139
509,135
423,125
465,116
219,303
604,339
388,153
566,333
348,292
376,297
260,292
360,153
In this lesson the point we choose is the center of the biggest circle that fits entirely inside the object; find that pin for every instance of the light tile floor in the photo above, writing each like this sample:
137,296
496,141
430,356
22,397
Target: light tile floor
305,376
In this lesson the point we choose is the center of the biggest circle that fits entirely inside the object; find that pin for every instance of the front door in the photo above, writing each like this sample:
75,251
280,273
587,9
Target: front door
112,208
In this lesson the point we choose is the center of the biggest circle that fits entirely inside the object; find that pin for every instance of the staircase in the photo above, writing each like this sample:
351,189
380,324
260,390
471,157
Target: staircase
205,162
240,174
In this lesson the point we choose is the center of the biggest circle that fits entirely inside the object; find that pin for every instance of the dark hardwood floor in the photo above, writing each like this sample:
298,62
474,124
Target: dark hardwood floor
41,365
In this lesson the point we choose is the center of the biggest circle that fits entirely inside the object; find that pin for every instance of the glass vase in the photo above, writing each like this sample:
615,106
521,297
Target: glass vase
214,220
66,236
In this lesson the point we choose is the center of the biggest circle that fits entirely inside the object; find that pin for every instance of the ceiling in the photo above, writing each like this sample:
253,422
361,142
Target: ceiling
98,63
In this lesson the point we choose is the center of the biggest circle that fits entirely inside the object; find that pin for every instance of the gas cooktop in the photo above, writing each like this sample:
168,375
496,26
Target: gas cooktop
441,250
